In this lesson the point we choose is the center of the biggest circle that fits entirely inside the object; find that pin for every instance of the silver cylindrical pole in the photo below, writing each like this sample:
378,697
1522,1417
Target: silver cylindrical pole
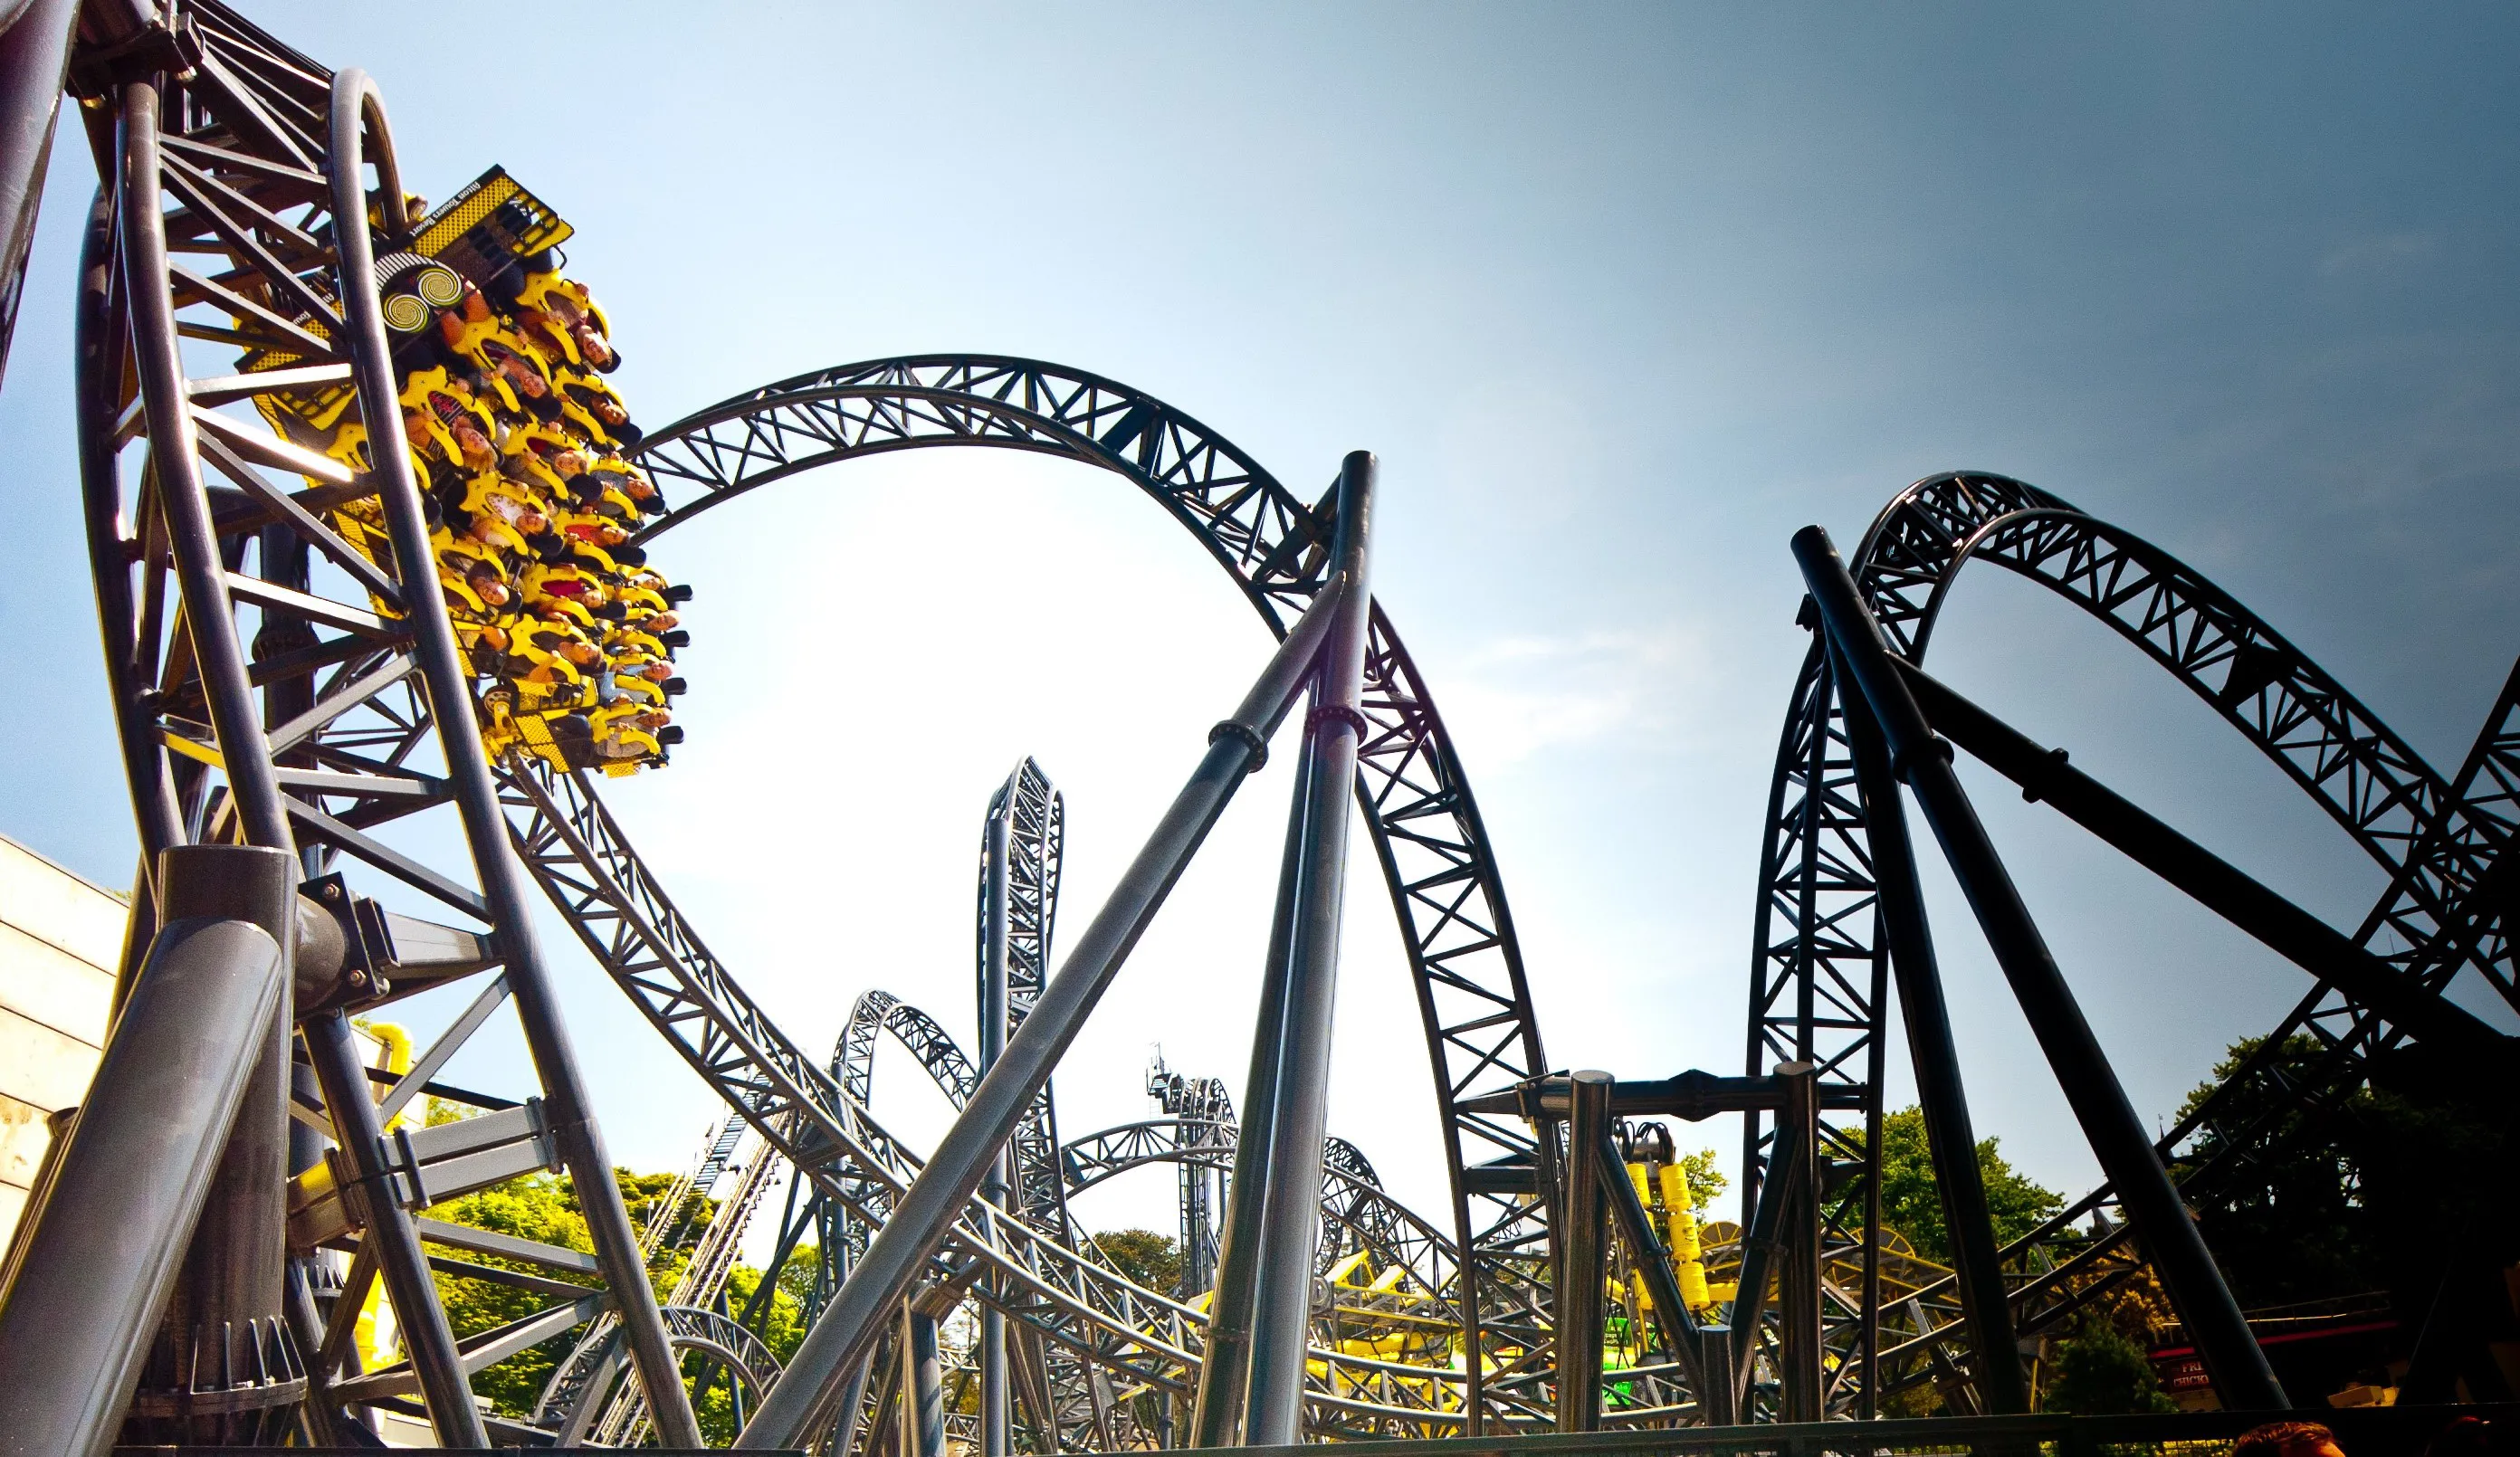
859,1310
1582,1252
1282,1309
994,1395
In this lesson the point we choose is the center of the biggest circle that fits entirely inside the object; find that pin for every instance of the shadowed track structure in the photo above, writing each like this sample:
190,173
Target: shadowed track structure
295,705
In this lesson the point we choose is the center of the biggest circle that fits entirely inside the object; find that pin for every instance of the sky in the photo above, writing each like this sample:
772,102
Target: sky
1622,295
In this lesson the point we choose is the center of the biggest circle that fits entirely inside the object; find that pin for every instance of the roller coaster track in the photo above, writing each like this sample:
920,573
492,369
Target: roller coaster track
571,845
1816,982
1356,1212
1474,1000
1079,1404
1036,816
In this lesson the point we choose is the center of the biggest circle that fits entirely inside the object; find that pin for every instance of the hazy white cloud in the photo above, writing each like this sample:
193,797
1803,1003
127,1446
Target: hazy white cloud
2382,251
1522,695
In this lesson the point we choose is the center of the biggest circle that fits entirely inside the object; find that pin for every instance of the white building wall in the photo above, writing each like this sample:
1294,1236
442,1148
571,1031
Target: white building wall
59,940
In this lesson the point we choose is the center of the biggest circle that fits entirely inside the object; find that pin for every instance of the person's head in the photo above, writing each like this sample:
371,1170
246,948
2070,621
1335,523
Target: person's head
609,534
656,671
638,487
654,719
2287,1439
2464,1436
608,409
532,523
522,376
580,651
570,464
594,348
661,622
476,446
486,586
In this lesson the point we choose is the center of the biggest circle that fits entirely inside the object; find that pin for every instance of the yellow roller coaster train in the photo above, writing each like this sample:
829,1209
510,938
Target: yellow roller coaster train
519,445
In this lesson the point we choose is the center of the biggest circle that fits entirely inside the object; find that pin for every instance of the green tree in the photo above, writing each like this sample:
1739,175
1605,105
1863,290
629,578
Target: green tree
1151,1260
542,1206
2100,1372
536,1207
1912,1204
2372,1189
783,1328
1705,1181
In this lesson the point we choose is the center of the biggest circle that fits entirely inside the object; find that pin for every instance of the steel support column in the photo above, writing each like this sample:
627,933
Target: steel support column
859,1310
226,1366
101,1255
1950,1138
2231,1354
1762,1240
1581,1265
34,57
1282,1309
1225,1372
356,108
994,1393
923,1389
1798,1303
2215,884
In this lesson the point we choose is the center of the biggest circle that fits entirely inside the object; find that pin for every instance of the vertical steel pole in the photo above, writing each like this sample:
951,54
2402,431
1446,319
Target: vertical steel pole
1760,1244
356,102
1580,1253
34,57
224,1364
443,1387
1282,1311
101,1255
994,1395
862,1306
1951,1139
923,1388
1225,1370
1799,1304
235,1264
2231,1354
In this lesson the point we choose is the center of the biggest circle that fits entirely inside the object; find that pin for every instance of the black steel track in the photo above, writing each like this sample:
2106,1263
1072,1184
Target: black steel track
1816,984
1473,998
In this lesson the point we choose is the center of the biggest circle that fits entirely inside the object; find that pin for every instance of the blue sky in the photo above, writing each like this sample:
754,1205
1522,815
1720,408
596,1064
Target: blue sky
1622,295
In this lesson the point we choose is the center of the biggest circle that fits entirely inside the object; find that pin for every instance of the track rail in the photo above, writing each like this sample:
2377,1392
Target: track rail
1474,999
1817,966
572,847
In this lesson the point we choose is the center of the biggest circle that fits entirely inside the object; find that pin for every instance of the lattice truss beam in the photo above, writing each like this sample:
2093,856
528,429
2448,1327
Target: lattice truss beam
1817,991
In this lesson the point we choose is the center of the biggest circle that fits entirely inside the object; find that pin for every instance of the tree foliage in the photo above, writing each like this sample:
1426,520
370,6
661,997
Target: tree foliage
542,1206
537,1207
1705,1182
2101,1372
1151,1260
2379,1186
1913,1204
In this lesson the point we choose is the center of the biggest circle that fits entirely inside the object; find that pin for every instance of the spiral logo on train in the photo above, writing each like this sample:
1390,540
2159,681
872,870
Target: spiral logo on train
520,448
